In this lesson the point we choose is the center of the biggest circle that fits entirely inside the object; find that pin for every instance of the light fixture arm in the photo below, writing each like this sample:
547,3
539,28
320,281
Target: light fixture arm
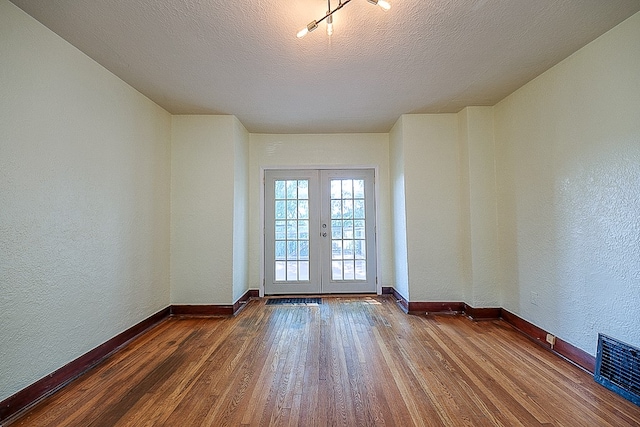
331,12
314,24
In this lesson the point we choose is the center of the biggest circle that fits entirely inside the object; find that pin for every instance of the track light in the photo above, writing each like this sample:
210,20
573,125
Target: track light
384,4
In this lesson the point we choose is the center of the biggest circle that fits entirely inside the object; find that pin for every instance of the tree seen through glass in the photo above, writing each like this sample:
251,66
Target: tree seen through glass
348,243
291,230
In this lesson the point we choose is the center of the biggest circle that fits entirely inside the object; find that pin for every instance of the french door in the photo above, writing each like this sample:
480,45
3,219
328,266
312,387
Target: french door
319,231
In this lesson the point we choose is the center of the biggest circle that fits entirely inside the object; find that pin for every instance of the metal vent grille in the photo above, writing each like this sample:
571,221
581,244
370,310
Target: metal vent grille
294,301
618,368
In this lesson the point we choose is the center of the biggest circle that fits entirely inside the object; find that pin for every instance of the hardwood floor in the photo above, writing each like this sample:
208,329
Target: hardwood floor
349,361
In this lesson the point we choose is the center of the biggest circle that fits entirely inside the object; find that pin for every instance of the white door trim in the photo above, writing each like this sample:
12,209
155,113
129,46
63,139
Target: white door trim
261,186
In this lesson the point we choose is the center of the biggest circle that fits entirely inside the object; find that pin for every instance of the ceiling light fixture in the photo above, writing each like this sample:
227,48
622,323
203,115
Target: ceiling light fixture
384,4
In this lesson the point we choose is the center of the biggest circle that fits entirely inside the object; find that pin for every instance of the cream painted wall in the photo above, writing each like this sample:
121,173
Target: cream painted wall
86,164
444,207
465,206
480,205
84,203
398,210
436,242
317,151
240,210
568,163
203,159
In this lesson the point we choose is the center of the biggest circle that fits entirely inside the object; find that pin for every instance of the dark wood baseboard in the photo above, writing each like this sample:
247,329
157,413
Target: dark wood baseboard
482,313
31,395
533,332
204,310
562,348
213,310
575,355
242,301
436,307
404,304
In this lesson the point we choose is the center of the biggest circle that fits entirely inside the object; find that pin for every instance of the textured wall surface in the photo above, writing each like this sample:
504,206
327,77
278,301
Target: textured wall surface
464,138
444,207
568,162
84,203
398,210
481,206
202,203
240,210
436,243
87,164
318,151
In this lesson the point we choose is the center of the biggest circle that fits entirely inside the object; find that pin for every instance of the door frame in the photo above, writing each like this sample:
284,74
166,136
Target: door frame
376,188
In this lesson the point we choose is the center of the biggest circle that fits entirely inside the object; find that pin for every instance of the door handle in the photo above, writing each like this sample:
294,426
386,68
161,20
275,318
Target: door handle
323,234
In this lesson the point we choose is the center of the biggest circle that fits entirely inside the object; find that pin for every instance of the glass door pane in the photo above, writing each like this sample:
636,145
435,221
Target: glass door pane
319,232
291,224
348,237
291,262
350,218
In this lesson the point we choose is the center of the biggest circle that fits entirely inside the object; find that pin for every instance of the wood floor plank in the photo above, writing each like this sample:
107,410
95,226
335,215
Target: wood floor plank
351,361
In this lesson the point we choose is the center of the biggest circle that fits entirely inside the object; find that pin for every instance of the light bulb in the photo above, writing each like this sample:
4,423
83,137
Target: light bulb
306,30
384,4
330,25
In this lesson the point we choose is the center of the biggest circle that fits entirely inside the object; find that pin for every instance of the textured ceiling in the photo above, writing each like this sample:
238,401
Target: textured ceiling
242,57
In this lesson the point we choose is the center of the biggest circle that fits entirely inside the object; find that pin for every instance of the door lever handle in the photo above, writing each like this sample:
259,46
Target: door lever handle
323,234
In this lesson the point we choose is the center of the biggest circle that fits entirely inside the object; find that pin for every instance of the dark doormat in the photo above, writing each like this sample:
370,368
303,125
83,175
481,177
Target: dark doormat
294,301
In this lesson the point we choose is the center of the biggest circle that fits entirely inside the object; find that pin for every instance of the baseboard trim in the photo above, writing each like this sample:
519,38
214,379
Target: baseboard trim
242,301
28,397
204,310
490,313
402,301
436,307
424,307
561,348
213,310
45,387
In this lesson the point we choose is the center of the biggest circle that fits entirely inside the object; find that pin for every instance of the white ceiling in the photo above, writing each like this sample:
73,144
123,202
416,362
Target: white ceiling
242,57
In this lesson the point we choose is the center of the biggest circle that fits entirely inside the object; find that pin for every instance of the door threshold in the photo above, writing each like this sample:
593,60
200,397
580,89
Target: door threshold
332,295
